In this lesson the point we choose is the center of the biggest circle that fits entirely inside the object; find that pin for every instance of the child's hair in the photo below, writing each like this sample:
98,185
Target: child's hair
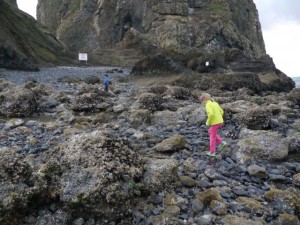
204,96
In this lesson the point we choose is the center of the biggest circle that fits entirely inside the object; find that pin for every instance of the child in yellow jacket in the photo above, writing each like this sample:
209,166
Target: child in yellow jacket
215,121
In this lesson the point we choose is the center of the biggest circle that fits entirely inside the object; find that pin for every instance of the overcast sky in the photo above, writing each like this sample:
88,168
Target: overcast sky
280,21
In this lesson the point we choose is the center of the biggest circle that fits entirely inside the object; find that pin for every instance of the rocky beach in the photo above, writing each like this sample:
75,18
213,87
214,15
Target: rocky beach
70,153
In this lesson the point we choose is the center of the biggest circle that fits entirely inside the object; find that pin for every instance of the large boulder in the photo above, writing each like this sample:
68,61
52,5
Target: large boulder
17,101
6,85
99,174
258,144
193,114
160,174
257,118
93,173
166,118
139,117
150,101
18,188
89,99
174,143
240,106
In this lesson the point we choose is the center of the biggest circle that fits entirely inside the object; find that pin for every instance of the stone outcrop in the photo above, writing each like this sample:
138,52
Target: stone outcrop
25,44
181,26
261,144
169,36
174,143
17,102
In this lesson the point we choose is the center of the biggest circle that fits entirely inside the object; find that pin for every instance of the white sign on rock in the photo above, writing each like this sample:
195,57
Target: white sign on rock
83,56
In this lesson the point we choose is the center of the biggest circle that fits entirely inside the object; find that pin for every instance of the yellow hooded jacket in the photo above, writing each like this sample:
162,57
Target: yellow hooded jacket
214,113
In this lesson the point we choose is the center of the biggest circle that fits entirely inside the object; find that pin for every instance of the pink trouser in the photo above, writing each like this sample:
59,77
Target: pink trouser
214,138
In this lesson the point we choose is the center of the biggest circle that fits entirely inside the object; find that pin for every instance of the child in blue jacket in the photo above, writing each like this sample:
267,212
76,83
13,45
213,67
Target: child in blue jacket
106,82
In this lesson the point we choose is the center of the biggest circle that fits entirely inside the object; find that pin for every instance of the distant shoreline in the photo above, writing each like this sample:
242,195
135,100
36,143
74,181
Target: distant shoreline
50,75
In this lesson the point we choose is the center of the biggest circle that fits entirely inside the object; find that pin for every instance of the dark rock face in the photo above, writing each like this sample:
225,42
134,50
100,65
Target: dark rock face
12,2
168,36
24,43
181,27
11,59
157,63
231,81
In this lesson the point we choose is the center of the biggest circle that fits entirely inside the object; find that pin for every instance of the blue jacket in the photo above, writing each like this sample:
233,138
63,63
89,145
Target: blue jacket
106,81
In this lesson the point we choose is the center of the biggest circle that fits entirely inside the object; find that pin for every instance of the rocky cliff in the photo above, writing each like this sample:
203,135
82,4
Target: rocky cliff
190,27
25,44
206,36
12,2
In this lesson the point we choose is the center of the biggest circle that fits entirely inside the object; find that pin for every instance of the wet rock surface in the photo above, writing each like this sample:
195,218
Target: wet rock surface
137,155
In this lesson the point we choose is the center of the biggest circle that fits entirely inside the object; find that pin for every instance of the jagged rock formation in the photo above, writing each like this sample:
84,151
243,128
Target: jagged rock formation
25,44
206,36
192,28
182,26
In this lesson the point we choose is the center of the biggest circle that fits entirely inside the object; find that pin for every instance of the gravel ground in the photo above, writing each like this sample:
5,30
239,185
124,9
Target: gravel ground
51,75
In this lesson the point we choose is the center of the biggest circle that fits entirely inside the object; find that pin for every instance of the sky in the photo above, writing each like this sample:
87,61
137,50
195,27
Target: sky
280,21
28,6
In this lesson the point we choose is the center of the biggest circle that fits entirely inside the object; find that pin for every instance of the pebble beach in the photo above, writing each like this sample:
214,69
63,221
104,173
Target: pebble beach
142,149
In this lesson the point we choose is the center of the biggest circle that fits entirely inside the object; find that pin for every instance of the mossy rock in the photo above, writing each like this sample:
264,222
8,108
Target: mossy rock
250,203
289,197
296,179
174,143
102,118
294,96
173,199
288,219
207,196
218,207
151,101
139,117
236,220
187,181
